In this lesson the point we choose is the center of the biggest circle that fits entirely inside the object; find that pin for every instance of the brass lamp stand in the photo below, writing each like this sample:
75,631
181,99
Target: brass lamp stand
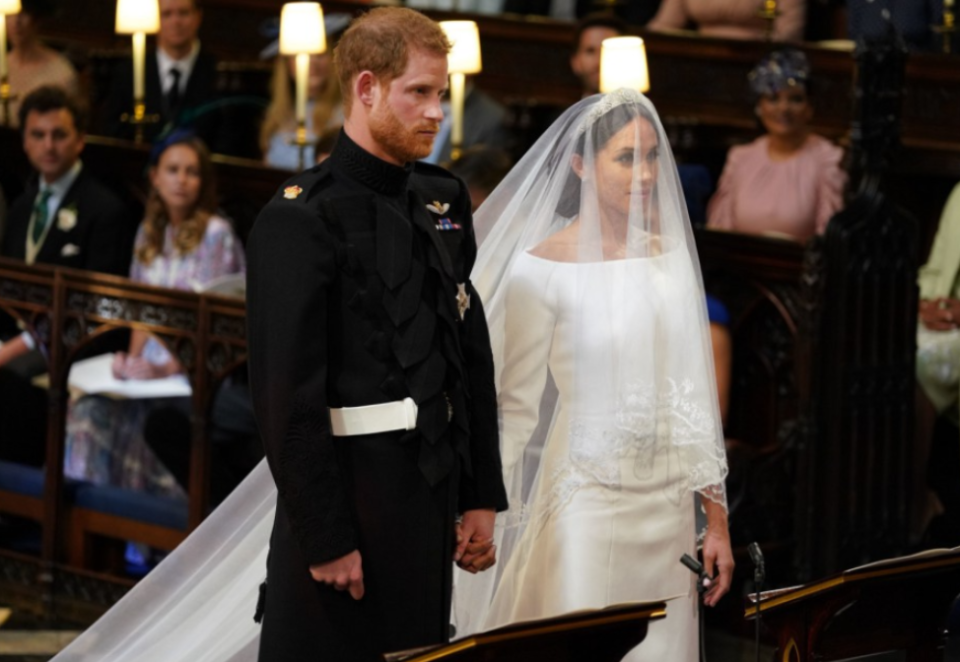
947,28
769,13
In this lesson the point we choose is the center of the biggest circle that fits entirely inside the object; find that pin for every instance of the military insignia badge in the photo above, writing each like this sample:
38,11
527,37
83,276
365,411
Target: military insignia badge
439,207
291,192
447,224
463,300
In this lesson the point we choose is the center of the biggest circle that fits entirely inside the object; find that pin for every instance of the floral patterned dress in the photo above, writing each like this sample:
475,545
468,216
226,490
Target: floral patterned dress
105,443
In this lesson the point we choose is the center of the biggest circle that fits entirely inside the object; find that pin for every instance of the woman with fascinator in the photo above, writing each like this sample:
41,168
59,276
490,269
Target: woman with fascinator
609,419
611,432
788,182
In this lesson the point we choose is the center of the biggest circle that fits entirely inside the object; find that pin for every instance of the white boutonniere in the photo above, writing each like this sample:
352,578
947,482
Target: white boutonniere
67,218
463,299
438,207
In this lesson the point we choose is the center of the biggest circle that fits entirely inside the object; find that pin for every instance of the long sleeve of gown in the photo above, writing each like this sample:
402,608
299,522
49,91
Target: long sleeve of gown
689,395
291,268
529,327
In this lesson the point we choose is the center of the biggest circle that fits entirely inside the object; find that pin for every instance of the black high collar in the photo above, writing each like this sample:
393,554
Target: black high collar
365,168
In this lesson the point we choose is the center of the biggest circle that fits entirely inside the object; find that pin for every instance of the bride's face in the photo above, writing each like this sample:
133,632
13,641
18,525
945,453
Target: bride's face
626,167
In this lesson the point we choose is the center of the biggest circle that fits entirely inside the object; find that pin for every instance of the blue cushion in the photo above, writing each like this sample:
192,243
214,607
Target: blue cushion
28,481
21,479
162,511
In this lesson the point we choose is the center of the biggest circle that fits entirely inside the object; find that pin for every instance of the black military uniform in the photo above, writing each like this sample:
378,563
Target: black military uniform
358,294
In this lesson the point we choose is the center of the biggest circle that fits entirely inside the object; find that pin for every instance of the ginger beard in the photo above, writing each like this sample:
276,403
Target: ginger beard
403,143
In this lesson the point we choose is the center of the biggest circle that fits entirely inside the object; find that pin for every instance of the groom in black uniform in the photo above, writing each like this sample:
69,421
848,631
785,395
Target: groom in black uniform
371,369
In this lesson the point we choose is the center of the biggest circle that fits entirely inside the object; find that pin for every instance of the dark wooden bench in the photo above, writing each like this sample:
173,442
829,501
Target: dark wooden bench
73,313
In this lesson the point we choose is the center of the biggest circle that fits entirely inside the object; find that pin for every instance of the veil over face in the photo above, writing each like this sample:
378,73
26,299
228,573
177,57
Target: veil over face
589,275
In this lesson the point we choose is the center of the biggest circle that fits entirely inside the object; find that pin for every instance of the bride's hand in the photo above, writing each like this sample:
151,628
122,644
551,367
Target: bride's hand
717,554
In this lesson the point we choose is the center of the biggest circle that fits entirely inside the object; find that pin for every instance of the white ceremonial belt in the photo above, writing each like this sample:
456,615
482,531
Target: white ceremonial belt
390,416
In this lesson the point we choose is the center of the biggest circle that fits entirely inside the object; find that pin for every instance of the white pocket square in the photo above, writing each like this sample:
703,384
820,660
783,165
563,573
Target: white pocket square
69,250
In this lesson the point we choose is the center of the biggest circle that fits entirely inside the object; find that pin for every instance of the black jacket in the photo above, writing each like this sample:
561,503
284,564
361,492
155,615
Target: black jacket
201,90
101,240
352,301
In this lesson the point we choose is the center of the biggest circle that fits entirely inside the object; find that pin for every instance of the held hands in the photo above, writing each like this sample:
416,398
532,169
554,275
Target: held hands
940,314
344,574
475,551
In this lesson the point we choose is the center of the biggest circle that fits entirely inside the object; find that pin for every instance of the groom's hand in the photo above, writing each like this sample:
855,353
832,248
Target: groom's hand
475,550
344,574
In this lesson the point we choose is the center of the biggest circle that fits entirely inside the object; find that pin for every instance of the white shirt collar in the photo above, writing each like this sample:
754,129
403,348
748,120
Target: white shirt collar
165,63
58,189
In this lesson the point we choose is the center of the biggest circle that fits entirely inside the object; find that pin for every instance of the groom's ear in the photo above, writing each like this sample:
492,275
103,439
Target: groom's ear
576,162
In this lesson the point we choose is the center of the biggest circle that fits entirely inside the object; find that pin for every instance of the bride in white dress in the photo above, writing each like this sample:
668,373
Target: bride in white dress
610,423
610,427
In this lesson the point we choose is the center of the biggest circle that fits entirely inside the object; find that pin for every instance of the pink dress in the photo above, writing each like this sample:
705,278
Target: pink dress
732,19
796,197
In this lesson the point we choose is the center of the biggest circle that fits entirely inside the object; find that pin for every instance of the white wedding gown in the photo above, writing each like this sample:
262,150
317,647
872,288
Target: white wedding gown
607,517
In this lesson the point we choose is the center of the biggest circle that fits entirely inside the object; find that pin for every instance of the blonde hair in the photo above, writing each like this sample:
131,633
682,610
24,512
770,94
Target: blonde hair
380,40
279,115
190,232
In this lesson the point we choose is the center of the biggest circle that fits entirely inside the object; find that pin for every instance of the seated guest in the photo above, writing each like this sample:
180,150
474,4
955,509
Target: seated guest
635,12
180,80
66,219
871,19
731,19
788,182
324,103
938,347
182,244
481,168
484,123
31,63
585,61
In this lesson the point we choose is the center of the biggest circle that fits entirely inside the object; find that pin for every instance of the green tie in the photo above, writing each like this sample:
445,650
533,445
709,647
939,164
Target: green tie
40,214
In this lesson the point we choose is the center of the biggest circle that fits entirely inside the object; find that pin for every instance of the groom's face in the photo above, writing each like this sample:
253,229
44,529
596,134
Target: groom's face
406,113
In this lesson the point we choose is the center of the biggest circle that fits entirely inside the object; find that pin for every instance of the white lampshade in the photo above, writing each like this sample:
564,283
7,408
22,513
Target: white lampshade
623,63
8,7
301,29
135,16
464,57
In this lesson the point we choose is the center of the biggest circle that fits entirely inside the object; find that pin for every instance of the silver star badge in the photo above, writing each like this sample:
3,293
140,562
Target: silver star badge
463,299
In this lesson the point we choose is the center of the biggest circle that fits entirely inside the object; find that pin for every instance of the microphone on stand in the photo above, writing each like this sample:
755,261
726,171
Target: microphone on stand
696,568
759,574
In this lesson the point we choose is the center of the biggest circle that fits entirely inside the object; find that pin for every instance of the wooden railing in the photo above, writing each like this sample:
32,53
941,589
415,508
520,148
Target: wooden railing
73,313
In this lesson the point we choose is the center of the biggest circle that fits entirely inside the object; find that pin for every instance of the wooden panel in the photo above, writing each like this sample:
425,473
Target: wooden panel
20,505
